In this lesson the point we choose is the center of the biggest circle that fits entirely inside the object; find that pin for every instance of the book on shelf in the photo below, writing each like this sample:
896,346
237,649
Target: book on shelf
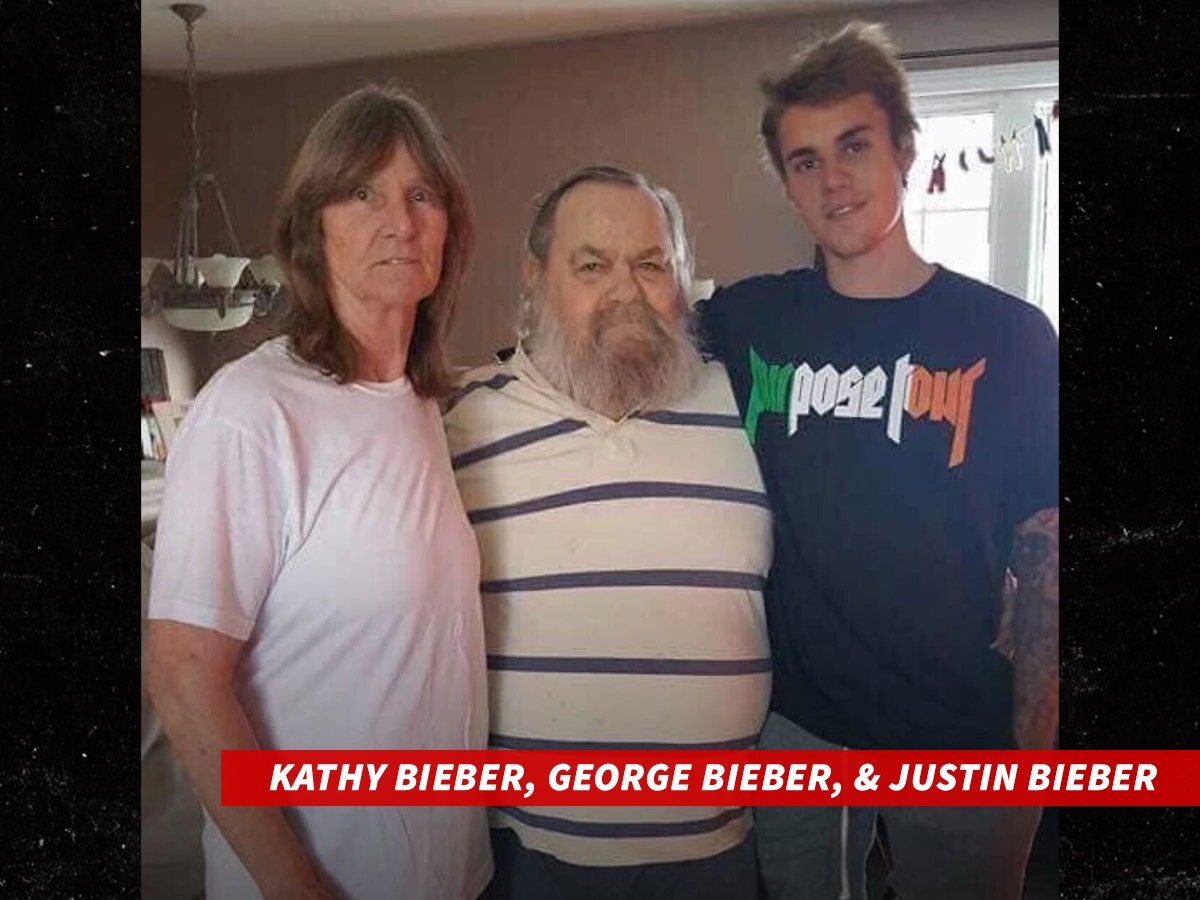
154,375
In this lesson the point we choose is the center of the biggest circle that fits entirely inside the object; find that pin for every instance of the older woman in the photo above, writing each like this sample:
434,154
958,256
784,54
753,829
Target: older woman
315,581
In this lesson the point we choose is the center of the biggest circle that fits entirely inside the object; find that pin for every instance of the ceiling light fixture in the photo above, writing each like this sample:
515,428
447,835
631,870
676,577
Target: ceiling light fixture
211,293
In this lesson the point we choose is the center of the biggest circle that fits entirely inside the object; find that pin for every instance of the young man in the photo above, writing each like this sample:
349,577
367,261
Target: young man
905,419
625,537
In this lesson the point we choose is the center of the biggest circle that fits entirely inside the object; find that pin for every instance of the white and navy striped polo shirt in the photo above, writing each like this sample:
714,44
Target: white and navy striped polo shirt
622,572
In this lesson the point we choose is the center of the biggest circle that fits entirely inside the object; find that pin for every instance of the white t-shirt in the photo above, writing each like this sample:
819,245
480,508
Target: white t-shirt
320,524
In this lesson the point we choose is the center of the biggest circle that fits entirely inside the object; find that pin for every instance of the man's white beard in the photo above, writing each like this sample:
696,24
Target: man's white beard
628,359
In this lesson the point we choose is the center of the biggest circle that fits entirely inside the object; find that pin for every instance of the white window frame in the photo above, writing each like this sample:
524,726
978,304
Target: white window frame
1011,92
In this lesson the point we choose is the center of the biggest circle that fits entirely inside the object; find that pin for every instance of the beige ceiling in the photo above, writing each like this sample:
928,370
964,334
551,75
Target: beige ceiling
257,35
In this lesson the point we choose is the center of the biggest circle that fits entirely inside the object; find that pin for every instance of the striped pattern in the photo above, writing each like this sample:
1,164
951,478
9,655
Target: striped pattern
704,420
515,442
579,828
623,565
694,578
495,383
621,490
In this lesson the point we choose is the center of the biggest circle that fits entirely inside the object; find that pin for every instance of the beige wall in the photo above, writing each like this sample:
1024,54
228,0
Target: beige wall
679,104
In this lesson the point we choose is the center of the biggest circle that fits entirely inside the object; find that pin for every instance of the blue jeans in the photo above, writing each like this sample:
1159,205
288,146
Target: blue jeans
937,853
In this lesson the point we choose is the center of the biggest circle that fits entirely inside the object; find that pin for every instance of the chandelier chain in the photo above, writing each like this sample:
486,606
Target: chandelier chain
194,117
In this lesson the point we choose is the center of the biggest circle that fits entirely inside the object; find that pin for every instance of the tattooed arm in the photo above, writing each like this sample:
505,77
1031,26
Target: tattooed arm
1035,631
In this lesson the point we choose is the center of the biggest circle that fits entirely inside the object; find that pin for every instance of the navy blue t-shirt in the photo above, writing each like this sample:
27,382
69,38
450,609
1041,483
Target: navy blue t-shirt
901,441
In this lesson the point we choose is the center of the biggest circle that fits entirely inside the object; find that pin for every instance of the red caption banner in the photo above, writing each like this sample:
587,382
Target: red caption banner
710,778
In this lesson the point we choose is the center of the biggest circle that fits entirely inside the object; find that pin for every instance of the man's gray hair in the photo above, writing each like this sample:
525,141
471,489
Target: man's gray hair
537,242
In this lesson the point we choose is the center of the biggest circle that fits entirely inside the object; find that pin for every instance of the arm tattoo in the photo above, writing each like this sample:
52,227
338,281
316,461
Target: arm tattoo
1035,631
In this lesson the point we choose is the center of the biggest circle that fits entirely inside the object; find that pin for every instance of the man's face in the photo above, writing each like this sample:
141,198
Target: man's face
609,274
610,329
843,174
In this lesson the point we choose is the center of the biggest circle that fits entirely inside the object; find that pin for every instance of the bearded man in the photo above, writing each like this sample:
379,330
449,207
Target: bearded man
625,539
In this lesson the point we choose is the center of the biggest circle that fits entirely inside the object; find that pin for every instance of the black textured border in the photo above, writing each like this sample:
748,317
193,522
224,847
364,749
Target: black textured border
69,89
1131,529
69,186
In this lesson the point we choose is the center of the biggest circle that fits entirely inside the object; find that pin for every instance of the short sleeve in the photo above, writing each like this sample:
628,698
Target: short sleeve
221,535
1034,476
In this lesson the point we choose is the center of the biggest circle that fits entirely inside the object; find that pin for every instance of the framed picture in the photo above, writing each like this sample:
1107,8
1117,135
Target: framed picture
168,414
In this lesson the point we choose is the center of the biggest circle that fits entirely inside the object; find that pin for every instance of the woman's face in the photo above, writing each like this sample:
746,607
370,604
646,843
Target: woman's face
384,243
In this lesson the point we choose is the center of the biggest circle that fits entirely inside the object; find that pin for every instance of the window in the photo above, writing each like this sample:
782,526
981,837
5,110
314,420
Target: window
1045,264
994,222
952,226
